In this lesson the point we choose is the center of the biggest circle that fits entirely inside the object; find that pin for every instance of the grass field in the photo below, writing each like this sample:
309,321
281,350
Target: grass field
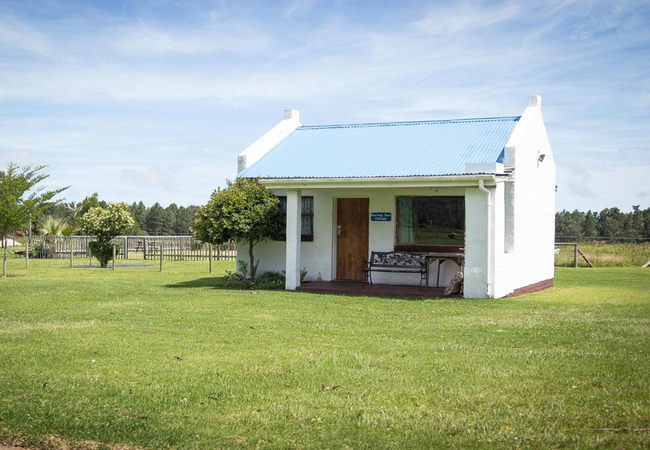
606,254
157,360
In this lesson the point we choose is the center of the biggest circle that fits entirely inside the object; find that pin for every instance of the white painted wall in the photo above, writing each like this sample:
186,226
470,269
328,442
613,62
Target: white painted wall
534,202
531,257
319,255
476,244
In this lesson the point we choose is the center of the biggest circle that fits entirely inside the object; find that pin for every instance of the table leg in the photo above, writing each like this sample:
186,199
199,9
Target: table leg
426,288
440,261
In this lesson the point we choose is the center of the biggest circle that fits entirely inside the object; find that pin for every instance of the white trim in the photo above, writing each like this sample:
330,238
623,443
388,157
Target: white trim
380,182
269,141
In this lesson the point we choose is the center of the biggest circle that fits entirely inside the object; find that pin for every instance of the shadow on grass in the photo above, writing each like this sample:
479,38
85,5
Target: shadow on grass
217,283
213,282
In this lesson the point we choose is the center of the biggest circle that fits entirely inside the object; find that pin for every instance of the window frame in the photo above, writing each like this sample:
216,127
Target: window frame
425,247
303,237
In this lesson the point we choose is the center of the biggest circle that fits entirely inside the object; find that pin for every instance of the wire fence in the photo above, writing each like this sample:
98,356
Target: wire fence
602,240
174,248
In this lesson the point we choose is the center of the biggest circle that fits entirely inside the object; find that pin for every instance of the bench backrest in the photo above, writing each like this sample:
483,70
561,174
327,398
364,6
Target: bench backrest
397,259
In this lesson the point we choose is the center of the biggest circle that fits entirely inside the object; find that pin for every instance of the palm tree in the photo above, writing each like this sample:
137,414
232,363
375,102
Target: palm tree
57,227
54,228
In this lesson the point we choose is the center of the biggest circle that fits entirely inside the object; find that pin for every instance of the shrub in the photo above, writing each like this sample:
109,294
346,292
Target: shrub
271,280
103,251
106,224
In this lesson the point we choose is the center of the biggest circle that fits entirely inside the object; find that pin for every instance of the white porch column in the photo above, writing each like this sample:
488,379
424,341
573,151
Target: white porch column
478,257
294,227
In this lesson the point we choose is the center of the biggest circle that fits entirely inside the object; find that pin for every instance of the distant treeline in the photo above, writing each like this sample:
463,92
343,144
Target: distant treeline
609,223
154,220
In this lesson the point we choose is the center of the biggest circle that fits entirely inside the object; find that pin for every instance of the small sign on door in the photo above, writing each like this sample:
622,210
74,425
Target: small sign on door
380,217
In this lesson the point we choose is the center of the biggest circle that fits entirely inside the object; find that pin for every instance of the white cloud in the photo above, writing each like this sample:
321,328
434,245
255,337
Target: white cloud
151,177
300,6
453,18
16,35
230,38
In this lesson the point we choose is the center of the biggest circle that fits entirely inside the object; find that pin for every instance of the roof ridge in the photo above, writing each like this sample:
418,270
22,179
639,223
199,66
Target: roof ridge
408,123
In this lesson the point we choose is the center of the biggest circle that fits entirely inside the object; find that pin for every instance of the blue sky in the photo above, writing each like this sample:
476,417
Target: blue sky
153,100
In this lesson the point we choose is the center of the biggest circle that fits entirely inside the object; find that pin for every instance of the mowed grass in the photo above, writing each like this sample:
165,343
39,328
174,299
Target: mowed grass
171,359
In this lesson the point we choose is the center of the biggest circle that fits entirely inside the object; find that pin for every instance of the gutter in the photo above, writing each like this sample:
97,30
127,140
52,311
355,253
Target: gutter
382,182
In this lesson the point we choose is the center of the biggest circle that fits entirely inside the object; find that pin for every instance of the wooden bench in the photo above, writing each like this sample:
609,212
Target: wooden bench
395,262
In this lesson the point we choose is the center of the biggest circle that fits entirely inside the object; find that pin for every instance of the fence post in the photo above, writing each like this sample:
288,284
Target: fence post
575,255
114,255
125,252
144,248
210,256
71,252
27,254
180,252
161,254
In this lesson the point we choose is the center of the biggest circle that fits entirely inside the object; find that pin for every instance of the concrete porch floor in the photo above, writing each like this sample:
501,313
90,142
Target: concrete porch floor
357,288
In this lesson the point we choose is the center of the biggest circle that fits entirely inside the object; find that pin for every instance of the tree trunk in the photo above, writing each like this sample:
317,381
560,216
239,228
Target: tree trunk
4,259
251,259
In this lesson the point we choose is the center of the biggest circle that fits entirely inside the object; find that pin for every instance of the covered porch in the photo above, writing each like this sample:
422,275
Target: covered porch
348,223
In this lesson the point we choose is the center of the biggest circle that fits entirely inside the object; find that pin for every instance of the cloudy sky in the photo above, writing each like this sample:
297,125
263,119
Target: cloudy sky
152,100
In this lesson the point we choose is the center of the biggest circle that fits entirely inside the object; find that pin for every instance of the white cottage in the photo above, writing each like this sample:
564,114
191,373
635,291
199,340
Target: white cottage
483,188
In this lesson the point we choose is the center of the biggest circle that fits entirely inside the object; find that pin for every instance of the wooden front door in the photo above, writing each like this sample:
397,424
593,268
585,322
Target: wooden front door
352,239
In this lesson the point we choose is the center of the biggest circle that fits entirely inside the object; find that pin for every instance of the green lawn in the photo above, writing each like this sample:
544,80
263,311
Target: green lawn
151,359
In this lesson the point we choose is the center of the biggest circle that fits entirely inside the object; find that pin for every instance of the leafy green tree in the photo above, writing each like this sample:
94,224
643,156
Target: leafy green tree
636,222
88,203
590,227
569,223
184,219
155,221
20,196
611,222
169,219
139,212
244,212
106,224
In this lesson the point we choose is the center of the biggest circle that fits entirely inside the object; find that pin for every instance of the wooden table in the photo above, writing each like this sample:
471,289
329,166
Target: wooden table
458,258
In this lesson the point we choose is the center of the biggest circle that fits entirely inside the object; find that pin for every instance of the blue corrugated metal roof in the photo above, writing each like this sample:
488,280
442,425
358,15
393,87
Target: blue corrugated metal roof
396,149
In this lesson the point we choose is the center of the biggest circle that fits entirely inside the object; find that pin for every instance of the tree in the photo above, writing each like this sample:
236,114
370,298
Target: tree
106,224
184,219
569,223
56,227
169,219
590,227
155,220
244,212
20,197
611,222
139,212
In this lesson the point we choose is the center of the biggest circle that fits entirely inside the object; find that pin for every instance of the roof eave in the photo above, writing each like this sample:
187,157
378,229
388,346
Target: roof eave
464,180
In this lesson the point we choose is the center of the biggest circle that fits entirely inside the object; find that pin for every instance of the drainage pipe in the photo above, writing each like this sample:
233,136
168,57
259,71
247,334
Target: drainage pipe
481,186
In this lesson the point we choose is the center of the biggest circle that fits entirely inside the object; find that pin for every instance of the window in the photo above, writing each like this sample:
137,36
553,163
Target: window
430,222
307,231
